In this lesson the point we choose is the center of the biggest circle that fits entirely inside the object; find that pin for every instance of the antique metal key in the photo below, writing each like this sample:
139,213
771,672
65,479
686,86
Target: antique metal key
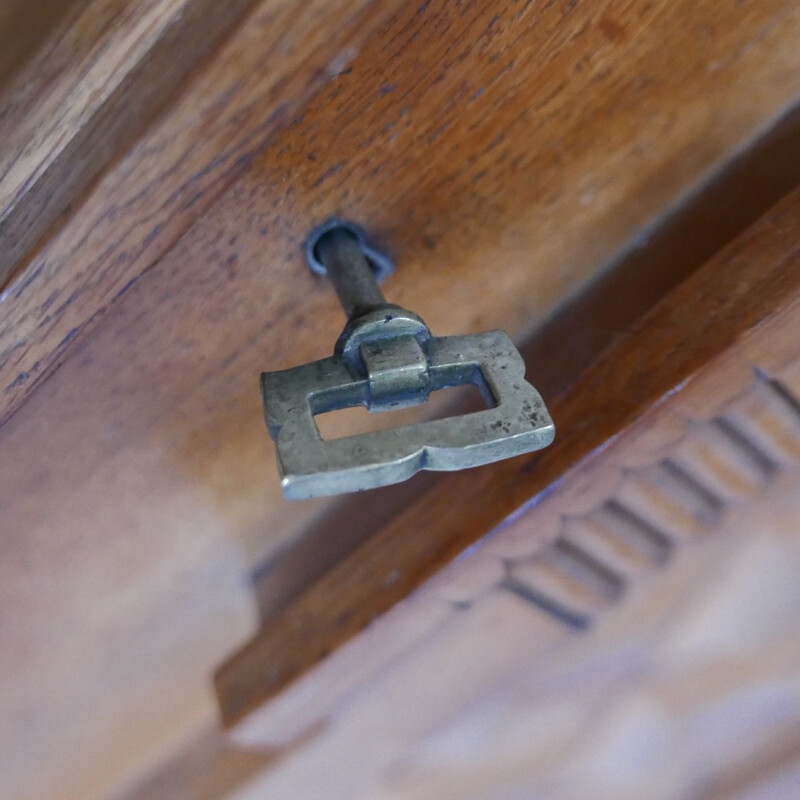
386,358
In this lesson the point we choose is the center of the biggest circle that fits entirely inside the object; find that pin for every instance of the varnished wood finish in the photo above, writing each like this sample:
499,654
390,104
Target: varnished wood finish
752,280
506,155
85,96
650,597
260,78
533,143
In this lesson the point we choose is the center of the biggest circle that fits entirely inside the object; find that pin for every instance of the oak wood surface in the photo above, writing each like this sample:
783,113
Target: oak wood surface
491,674
141,490
754,279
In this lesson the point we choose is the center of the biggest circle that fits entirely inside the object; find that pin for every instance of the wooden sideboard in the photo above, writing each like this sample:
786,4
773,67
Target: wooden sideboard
614,184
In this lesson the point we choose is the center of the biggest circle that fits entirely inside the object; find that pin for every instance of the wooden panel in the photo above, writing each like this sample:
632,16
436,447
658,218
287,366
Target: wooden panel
754,279
261,77
91,88
560,96
142,487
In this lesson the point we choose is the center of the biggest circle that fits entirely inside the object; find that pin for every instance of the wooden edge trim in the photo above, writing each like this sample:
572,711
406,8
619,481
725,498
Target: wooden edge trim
113,126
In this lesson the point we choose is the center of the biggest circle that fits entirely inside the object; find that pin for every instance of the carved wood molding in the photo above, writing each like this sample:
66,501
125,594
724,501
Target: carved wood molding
531,664
714,466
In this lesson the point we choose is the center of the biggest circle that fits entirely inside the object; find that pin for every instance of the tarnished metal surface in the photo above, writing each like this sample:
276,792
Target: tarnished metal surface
382,267
347,268
386,358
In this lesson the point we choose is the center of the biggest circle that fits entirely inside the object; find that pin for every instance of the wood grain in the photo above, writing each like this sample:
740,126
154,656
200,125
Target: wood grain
692,666
83,99
757,277
141,491
265,73
570,340
23,27
560,97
